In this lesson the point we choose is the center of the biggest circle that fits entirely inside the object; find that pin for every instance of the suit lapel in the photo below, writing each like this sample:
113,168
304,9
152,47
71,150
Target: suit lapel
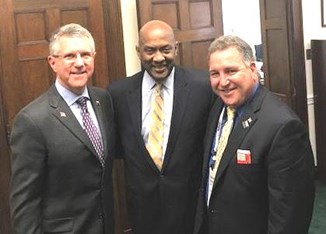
180,101
243,126
63,113
210,133
134,105
134,97
96,103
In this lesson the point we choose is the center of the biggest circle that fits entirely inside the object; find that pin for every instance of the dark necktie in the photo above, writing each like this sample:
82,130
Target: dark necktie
91,129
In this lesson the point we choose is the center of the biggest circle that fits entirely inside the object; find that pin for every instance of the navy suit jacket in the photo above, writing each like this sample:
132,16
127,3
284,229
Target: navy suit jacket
58,185
164,201
274,193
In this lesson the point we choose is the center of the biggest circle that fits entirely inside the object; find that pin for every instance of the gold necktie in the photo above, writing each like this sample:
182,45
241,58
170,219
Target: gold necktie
223,140
155,138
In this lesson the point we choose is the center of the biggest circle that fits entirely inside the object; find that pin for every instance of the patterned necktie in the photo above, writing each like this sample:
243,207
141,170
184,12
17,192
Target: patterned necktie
155,138
91,129
222,142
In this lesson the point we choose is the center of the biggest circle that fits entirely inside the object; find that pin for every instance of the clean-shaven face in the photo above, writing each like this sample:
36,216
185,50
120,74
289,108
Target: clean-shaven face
74,63
231,78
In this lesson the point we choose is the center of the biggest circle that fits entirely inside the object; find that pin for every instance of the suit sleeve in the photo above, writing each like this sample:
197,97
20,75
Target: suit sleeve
118,149
28,165
290,180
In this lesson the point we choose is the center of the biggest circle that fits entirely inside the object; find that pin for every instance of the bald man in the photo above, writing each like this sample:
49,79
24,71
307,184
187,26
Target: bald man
163,182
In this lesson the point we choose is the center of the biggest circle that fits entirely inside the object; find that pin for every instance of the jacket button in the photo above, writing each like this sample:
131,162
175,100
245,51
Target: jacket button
101,216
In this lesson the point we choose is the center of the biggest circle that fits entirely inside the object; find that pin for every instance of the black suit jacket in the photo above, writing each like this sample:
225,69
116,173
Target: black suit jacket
274,193
164,202
58,185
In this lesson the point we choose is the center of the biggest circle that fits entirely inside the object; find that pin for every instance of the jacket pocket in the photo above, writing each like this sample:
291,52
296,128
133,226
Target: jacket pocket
64,225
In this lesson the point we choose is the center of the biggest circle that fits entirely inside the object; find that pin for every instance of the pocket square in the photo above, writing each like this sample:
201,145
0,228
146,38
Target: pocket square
243,156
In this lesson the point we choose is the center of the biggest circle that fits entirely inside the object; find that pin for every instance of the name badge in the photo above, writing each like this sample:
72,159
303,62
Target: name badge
243,156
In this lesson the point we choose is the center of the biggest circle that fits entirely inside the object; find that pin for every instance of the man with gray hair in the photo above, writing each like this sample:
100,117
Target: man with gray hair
61,147
258,164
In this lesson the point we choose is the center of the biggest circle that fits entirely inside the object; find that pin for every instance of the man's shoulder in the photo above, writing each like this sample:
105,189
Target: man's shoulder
125,82
274,107
37,109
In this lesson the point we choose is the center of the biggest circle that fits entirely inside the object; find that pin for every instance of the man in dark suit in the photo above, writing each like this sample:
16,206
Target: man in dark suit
263,182
163,190
61,179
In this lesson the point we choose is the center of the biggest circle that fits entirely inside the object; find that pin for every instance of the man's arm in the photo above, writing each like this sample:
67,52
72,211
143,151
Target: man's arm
28,165
290,180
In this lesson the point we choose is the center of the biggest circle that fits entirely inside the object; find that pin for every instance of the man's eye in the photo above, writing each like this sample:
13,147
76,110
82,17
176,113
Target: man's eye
86,55
214,75
166,50
69,56
149,50
231,71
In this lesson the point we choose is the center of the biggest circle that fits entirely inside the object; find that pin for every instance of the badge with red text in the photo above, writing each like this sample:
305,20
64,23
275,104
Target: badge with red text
243,156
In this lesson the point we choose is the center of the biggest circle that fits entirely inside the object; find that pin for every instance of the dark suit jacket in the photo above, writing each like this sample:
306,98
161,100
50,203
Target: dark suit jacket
275,192
58,185
164,202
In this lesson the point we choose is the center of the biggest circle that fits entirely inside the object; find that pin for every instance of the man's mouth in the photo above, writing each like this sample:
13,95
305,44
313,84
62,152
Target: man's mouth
78,73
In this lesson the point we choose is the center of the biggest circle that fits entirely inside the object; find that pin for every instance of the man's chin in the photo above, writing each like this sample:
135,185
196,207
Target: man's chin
159,76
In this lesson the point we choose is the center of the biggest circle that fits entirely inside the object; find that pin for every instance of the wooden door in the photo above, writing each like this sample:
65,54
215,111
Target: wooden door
196,24
284,60
318,59
25,27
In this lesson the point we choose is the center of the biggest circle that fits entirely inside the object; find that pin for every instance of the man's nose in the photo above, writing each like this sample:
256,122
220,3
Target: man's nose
158,57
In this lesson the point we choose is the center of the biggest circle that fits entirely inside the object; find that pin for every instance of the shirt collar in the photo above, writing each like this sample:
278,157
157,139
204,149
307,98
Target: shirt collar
149,82
69,96
241,108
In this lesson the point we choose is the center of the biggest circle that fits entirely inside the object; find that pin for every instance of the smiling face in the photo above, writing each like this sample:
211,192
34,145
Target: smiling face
73,63
157,49
231,78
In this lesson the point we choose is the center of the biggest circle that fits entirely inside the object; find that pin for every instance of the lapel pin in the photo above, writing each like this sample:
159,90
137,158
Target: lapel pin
246,123
97,102
62,114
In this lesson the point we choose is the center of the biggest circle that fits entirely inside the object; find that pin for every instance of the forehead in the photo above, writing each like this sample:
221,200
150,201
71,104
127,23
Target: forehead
226,57
75,44
157,37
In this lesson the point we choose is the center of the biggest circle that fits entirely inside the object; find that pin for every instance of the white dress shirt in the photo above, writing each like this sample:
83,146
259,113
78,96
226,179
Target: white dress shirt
71,98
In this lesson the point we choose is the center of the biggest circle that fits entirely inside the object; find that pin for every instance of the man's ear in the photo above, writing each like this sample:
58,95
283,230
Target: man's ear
138,50
253,69
176,47
52,61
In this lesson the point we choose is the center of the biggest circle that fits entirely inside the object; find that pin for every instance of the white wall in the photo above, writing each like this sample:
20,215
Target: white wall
312,29
244,21
130,35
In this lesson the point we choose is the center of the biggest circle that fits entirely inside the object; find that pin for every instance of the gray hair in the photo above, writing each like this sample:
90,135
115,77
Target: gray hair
225,42
69,30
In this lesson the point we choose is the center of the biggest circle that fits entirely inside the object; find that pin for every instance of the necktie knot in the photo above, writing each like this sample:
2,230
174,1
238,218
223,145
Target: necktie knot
230,113
158,88
82,103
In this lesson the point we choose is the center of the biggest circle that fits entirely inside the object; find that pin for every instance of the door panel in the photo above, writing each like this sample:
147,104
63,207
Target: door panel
196,24
318,55
284,60
30,47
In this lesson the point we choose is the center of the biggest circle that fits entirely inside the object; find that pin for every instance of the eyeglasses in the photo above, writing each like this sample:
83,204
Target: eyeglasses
72,57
